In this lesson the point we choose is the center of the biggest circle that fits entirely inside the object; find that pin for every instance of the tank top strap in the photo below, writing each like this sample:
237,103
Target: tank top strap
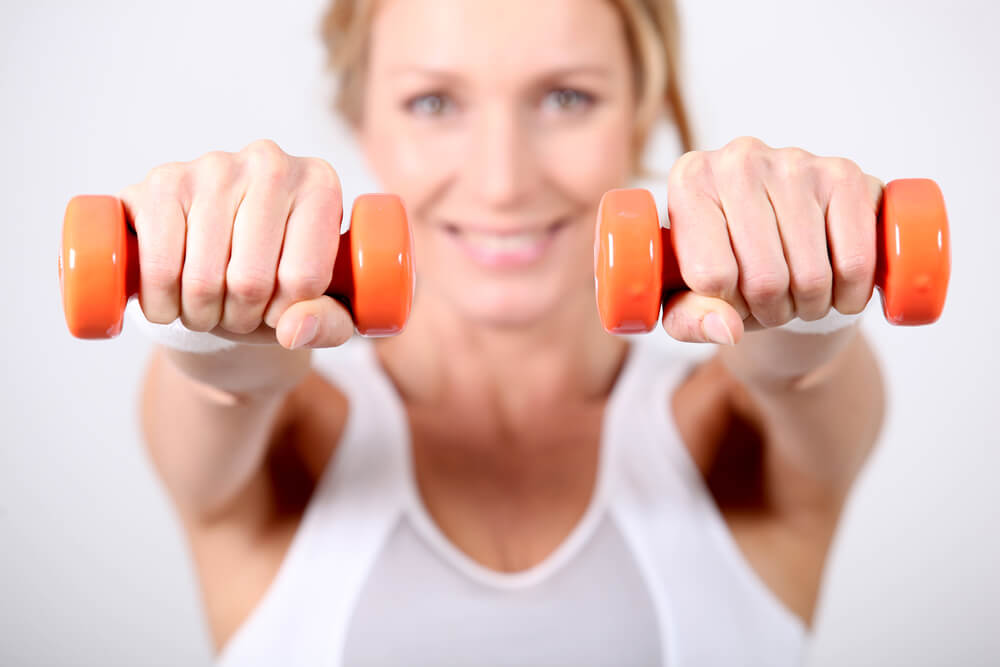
678,535
639,426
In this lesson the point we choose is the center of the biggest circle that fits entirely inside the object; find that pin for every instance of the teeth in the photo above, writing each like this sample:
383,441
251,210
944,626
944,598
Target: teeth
506,242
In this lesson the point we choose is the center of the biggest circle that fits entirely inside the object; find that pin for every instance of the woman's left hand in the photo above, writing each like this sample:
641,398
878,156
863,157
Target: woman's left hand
764,235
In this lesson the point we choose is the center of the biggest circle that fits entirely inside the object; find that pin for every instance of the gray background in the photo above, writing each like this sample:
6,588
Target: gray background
93,569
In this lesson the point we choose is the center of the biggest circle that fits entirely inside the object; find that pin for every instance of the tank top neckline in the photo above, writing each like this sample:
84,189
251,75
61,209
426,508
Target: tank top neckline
427,528
635,386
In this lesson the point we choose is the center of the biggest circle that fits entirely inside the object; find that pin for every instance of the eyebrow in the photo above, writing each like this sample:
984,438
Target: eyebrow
553,73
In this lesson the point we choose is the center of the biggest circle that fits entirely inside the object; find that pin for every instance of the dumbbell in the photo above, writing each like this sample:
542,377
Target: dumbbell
99,266
635,266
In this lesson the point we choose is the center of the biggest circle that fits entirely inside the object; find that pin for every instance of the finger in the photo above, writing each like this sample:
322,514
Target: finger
693,318
332,324
850,219
209,235
158,215
258,230
753,228
700,235
802,230
312,237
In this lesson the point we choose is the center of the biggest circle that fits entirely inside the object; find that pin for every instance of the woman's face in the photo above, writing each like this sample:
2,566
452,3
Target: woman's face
500,123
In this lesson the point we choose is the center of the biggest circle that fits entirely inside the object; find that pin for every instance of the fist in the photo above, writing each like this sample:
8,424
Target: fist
241,245
764,235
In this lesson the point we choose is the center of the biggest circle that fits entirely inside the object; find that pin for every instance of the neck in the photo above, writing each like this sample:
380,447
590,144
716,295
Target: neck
444,359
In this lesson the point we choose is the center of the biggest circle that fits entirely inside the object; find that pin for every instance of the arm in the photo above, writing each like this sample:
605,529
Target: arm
207,421
821,400
242,246
763,236
779,422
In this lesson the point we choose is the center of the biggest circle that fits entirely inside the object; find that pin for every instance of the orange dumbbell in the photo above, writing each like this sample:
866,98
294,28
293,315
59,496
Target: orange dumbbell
635,265
99,266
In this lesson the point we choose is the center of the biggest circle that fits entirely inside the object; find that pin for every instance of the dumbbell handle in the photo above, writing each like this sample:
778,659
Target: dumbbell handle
913,260
99,266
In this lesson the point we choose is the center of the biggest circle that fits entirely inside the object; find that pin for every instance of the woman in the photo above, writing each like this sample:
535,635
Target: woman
505,482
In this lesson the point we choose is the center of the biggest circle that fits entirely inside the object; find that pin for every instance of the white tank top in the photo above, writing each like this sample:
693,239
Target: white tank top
650,575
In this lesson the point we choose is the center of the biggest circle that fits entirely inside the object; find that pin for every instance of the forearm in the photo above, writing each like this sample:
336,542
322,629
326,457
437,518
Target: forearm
822,398
208,419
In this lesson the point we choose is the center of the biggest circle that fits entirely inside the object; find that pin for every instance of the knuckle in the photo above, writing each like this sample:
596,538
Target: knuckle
250,286
842,171
263,147
215,170
130,193
322,174
166,179
267,162
710,280
692,168
854,267
745,145
792,163
812,284
159,272
741,156
302,283
202,287
681,326
795,154
765,286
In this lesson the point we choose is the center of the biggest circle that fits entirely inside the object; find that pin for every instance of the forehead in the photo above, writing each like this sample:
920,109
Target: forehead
513,36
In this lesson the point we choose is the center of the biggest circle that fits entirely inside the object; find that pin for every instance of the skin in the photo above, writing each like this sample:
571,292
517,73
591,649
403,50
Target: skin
495,362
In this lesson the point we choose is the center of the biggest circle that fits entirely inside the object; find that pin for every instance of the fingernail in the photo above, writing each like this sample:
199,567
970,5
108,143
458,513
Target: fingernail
306,332
715,329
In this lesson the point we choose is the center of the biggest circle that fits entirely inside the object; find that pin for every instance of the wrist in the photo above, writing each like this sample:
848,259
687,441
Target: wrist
780,359
833,321
175,335
224,369
244,371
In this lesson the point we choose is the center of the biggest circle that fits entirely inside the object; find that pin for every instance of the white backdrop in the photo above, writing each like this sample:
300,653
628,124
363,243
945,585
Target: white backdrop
93,567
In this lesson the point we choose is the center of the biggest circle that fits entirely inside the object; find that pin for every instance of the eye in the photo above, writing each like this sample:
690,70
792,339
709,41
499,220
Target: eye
431,104
569,99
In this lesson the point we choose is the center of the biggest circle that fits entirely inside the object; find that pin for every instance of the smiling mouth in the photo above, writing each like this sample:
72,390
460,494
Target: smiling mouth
504,249
505,239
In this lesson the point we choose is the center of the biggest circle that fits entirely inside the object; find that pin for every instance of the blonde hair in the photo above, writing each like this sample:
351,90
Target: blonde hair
651,27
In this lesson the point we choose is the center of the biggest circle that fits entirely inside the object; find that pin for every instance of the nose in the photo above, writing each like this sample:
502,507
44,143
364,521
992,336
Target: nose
501,161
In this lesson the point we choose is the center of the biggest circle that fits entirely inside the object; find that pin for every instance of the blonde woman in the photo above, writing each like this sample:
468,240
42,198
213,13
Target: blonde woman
505,483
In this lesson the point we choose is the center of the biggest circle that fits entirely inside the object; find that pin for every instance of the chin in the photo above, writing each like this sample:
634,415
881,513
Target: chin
508,304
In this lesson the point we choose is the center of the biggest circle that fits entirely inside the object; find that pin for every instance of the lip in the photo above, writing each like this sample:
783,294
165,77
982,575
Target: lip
490,255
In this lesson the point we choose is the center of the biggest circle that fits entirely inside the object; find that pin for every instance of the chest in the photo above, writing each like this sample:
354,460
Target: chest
506,495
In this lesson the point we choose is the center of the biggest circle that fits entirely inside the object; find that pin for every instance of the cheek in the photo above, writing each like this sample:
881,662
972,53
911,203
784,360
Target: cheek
589,162
411,162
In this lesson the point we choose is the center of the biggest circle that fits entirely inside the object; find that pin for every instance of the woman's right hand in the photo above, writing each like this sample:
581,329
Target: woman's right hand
242,245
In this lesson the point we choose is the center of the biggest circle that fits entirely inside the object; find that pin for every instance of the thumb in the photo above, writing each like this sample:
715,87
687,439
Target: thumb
319,322
693,318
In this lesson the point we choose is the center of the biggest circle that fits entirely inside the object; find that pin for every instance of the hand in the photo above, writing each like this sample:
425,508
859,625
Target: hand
764,235
241,245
